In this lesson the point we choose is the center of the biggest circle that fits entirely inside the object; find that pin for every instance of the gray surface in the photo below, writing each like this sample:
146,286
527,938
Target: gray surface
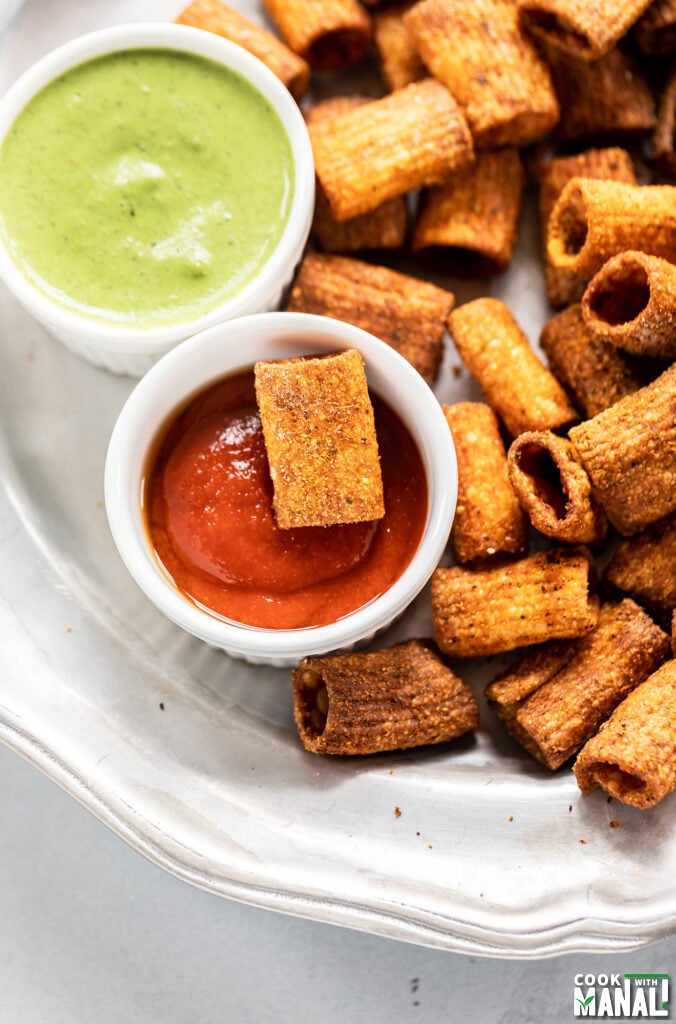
92,933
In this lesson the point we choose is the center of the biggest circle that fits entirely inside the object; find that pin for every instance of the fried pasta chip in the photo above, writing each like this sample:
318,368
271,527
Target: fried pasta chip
382,228
393,699
611,162
217,17
488,520
328,34
517,386
633,755
629,452
645,569
554,489
631,302
585,28
476,48
623,101
655,31
471,219
664,139
562,714
404,312
400,62
546,596
320,438
511,688
563,285
415,136
594,373
594,220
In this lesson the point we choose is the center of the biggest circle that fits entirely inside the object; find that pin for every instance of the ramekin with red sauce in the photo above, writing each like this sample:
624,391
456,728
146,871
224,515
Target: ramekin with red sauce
189,499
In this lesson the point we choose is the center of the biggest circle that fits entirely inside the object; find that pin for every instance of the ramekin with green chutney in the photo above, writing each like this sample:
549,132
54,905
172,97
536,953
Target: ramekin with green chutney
155,180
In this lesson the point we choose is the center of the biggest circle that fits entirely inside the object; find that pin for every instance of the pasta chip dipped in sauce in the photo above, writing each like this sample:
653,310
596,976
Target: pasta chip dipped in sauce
211,522
320,440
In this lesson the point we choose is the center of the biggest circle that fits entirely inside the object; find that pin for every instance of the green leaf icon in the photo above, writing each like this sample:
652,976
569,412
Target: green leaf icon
585,1002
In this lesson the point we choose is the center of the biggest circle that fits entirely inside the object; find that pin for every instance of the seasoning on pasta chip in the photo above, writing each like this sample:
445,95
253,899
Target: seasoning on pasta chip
664,139
611,162
633,755
587,30
488,520
400,697
406,313
629,452
517,386
631,302
645,569
400,62
382,228
328,34
217,17
564,286
594,220
414,136
554,489
622,99
562,714
594,373
476,48
320,439
547,596
472,217
508,691
655,31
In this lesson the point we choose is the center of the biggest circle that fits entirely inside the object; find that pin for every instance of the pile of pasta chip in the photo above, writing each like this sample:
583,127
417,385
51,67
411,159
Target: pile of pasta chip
563,548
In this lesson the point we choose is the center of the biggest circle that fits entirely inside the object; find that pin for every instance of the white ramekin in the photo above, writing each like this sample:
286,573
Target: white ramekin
129,350
230,348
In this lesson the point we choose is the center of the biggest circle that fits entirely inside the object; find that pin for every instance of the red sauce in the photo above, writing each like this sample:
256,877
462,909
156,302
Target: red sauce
209,514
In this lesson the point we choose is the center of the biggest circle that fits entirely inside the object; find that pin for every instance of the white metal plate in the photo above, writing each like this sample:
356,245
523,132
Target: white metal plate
490,855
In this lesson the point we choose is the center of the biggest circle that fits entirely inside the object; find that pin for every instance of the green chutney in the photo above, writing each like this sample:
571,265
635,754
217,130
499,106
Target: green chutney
145,187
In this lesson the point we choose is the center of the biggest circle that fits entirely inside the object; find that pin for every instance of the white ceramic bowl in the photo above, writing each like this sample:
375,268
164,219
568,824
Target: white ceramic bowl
129,350
228,349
